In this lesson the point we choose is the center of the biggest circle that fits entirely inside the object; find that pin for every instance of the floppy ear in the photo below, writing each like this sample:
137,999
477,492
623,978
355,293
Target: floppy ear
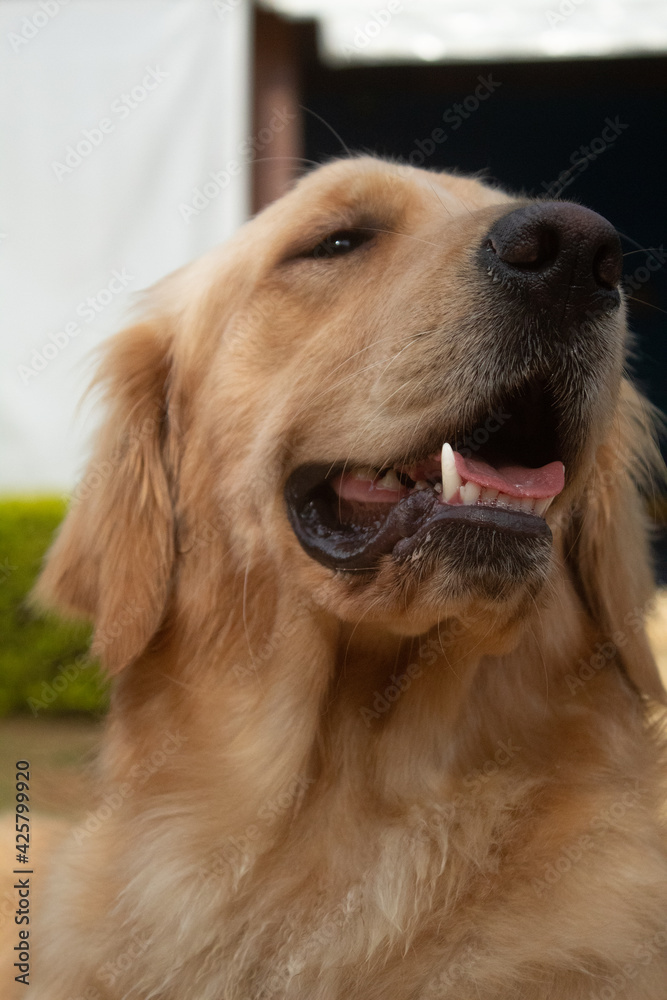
113,557
609,549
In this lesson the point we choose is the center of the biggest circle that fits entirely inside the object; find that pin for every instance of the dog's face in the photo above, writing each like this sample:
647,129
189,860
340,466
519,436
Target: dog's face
399,311
397,393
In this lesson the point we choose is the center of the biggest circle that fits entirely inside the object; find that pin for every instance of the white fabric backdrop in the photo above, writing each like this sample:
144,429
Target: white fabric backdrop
114,114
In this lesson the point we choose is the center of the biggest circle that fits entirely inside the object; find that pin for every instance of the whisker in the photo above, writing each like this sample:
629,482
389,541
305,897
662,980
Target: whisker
640,250
625,236
327,125
295,159
439,199
643,302
363,430
407,236
355,374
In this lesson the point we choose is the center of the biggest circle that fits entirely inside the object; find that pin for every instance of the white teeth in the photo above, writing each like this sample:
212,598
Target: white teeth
512,503
389,481
542,506
470,493
505,500
451,481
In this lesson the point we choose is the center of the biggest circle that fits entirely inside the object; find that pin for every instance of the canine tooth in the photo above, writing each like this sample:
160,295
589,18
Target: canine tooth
488,493
542,506
470,492
451,481
421,484
389,481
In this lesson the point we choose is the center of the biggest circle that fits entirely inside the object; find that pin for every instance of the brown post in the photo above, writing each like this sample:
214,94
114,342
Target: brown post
277,118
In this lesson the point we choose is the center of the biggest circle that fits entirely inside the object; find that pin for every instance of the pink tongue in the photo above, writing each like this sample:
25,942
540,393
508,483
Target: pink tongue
365,490
515,480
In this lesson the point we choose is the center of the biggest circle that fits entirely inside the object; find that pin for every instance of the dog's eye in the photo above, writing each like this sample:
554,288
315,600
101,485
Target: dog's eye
339,243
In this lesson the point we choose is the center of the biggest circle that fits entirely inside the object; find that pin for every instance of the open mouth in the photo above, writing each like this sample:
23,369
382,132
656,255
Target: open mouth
499,476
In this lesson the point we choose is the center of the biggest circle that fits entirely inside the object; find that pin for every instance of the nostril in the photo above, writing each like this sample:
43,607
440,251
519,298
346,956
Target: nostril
556,254
529,247
608,267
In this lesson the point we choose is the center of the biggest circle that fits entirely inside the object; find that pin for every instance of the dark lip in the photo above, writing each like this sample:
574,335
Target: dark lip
399,530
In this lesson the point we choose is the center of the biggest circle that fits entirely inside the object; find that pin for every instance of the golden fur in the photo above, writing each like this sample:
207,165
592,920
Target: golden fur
496,830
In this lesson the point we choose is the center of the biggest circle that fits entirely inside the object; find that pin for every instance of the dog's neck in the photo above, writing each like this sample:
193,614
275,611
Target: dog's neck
326,721
355,702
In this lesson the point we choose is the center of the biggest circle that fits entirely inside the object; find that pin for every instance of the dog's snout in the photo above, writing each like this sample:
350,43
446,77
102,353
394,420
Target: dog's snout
557,253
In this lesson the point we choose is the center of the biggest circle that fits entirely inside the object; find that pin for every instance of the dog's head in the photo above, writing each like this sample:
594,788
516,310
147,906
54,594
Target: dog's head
401,392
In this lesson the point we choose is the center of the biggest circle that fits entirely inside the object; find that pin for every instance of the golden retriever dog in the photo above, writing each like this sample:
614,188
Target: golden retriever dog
364,545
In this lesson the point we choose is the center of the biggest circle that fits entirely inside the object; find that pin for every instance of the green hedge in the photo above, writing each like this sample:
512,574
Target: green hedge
44,667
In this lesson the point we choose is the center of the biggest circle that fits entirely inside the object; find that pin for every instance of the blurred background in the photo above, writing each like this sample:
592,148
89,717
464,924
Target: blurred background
137,134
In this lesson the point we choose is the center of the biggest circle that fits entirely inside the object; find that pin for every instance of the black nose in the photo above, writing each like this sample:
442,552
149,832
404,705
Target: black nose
557,256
